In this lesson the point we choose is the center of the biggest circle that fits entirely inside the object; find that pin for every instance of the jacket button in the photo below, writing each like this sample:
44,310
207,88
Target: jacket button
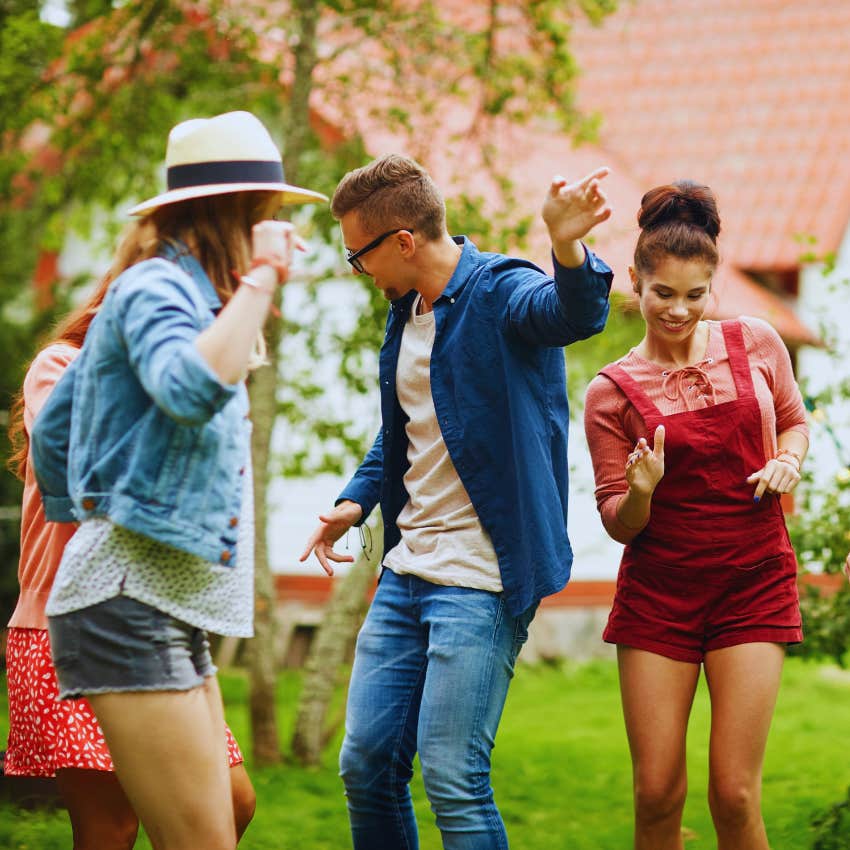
89,504
234,521
225,556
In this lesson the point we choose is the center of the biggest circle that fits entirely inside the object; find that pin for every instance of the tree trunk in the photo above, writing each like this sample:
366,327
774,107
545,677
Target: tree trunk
329,650
261,661
263,391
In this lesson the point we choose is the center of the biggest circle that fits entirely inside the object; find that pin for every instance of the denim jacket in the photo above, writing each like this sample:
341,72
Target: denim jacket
499,387
139,428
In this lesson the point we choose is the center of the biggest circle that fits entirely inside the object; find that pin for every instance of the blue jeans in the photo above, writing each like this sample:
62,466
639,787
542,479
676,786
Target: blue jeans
431,674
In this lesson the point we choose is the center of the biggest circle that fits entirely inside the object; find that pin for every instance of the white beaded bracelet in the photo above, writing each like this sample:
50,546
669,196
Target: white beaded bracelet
789,457
254,284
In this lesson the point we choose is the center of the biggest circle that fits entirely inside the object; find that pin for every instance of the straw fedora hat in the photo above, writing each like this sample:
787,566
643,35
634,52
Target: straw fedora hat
232,152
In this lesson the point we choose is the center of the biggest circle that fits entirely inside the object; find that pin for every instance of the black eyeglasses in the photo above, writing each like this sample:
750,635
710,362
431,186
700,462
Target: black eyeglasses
353,257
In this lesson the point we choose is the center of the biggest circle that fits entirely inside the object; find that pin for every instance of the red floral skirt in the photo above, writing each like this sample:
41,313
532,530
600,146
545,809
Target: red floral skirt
47,734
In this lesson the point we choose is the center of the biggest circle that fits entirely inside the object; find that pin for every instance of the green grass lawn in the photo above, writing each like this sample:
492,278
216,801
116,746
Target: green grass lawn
561,768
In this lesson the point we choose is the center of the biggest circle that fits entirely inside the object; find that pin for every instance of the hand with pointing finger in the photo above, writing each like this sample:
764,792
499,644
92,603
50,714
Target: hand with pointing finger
645,465
572,210
776,476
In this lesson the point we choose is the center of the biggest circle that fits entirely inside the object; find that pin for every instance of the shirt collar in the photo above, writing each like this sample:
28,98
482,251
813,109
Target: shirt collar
179,254
470,258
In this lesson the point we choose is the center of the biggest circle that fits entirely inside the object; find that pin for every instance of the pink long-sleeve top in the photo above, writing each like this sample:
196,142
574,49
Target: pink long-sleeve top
613,425
42,542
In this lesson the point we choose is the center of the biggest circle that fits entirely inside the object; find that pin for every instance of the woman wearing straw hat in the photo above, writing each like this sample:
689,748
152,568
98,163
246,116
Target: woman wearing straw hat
145,441
50,737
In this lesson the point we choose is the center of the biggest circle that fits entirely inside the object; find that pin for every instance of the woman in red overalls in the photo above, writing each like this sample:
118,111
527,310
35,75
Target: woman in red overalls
708,575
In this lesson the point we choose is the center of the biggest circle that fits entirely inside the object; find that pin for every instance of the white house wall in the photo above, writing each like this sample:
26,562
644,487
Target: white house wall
824,301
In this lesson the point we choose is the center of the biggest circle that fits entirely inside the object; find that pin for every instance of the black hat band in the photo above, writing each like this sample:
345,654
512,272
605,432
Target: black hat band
231,171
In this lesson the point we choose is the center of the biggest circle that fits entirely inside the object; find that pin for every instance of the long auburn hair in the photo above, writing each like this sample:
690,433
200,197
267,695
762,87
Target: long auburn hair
71,330
217,229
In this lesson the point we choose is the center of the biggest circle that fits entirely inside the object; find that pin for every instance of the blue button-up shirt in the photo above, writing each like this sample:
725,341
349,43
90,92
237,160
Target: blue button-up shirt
499,387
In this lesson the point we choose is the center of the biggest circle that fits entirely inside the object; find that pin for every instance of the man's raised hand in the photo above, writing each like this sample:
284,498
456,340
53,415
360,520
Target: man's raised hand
572,210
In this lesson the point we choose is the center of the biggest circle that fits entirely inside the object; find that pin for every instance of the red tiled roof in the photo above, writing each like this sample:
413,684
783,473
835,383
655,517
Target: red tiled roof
749,96
530,157
536,157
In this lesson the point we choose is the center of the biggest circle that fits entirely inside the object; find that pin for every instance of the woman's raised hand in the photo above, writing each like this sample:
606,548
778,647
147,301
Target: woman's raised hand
645,465
272,243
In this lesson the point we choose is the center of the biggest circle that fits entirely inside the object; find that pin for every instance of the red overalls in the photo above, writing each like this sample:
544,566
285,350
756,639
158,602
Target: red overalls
712,568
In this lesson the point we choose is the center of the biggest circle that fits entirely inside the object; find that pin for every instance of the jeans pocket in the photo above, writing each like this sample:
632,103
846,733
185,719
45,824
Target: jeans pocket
521,625
64,640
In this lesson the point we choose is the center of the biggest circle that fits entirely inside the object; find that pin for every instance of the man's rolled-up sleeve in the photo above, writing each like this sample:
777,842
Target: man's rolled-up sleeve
365,485
584,293
557,312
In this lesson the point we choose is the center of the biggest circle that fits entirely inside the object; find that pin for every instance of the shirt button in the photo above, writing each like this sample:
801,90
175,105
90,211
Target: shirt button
242,470
451,301
234,521
89,504
225,556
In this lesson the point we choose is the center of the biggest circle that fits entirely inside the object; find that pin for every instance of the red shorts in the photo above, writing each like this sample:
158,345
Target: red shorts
684,612
47,734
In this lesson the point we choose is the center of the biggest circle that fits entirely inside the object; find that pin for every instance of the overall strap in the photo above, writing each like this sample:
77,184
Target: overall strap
739,362
632,391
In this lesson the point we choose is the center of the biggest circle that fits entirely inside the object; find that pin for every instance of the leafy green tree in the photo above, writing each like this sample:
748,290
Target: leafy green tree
820,528
27,46
125,72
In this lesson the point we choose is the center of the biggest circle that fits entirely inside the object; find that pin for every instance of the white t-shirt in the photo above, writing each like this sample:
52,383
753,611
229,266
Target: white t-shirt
442,540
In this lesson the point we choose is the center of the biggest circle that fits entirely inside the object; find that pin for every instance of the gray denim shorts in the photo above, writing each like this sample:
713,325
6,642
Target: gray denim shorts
124,645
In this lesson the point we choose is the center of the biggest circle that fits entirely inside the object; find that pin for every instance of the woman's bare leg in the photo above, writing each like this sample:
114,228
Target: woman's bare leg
743,682
657,696
244,798
170,756
101,815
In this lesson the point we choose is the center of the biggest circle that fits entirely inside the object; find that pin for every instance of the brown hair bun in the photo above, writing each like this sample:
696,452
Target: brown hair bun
679,219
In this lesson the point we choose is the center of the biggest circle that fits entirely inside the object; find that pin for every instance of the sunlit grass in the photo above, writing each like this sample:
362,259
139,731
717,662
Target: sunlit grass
561,768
